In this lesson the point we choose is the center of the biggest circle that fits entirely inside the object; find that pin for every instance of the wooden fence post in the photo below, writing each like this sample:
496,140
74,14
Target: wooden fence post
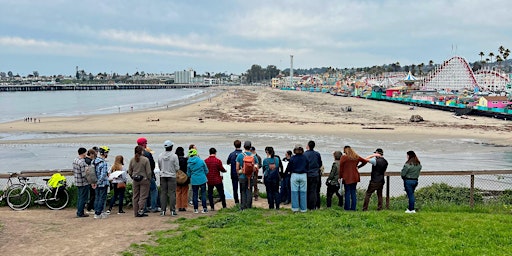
472,192
387,192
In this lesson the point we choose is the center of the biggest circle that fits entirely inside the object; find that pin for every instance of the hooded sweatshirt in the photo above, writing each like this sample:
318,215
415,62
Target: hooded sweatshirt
197,170
169,164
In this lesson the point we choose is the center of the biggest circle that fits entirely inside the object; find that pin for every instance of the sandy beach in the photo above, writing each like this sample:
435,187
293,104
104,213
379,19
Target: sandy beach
266,110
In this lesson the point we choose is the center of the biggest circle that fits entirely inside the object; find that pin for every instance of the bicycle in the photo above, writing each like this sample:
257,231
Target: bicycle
19,198
9,185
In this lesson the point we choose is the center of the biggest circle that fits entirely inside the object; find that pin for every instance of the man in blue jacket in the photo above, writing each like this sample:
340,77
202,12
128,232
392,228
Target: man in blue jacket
232,162
315,162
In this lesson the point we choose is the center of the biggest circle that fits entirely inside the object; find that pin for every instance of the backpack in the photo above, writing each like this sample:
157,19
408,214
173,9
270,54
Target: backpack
181,177
90,173
272,174
249,165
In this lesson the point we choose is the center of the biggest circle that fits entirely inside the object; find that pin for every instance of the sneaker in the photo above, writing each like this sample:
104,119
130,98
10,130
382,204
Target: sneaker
107,212
196,211
410,211
97,216
205,210
173,213
155,210
104,215
162,213
182,210
83,215
190,203
121,212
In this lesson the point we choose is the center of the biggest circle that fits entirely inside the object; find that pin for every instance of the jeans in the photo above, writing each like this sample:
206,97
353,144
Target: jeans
299,186
83,192
350,197
331,190
372,187
234,182
153,195
245,193
92,198
118,192
410,186
285,189
220,190
195,194
100,198
168,193
312,187
273,194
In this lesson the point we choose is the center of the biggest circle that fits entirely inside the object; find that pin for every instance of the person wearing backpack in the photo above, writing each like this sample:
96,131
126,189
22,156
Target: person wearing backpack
315,162
153,189
255,177
246,164
102,184
271,178
89,159
234,172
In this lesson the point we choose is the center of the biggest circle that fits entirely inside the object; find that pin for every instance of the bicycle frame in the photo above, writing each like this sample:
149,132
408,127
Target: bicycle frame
9,185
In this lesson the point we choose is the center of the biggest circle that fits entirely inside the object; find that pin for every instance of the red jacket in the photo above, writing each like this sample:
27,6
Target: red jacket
214,169
348,169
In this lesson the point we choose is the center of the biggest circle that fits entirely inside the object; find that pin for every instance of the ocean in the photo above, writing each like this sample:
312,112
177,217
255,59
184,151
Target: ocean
435,154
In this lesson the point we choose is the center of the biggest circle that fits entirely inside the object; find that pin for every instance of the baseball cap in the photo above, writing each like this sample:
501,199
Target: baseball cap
247,144
168,144
142,141
380,151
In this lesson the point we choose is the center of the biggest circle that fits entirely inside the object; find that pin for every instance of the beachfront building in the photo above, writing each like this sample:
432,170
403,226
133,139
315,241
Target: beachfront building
184,77
494,101
454,74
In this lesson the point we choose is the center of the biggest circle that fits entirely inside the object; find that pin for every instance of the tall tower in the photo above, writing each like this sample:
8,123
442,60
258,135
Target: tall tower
291,70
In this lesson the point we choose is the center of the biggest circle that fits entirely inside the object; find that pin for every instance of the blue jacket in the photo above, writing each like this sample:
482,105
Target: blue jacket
197,170
315,162
101,172
298,164
232,162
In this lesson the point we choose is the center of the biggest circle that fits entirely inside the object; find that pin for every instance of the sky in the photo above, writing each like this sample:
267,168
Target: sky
162,36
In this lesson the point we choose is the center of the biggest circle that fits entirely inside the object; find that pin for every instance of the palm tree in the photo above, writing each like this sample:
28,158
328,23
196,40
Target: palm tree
506,53
482,54
501,49
491,55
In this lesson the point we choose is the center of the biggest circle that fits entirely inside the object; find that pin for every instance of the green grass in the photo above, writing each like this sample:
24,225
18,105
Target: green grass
335,232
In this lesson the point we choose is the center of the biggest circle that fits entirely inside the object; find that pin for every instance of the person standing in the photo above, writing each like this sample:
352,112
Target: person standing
89,159
140,172
245,182
379,167
272,178
102,184
79,166
350,175
169,164
153,189
214,177
197,171
299,167
285,182
182,189
255,176
333,185
234,174
410,173
315,162
118,182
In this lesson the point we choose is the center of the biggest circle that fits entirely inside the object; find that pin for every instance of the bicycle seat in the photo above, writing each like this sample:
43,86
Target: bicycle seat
22,178
46,180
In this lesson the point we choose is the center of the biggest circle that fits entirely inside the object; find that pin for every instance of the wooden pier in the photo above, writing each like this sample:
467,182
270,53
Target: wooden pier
87,87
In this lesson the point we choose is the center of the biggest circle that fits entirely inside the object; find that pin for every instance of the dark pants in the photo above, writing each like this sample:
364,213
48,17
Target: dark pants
273,194
99,201
168,193
311,192
234,182
331,190
220,190
83,192
319,185
140,195
410,186
350,196
245,194
286,190
372,187
92,198
118,193
195,194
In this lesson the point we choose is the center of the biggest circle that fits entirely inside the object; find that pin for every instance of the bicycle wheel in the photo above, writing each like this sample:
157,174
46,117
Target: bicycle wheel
57,198
18,197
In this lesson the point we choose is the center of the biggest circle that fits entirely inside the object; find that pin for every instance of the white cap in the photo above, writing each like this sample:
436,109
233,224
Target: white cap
168,144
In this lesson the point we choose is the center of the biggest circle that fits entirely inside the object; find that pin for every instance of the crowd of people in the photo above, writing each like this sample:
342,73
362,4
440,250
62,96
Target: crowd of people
298,184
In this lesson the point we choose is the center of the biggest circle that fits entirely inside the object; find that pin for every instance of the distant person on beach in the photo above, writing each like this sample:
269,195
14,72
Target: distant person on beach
118,177
89,158
182,189
102,184
299,166
139,170
255,177
80,182
215,168
197,171
350,175
285,181
333,184
153,189
379,166
410,173
169,164
245,182
315,163
272,178
234,174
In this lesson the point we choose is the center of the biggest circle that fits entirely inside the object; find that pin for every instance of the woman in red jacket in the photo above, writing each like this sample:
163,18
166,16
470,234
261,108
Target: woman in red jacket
350,175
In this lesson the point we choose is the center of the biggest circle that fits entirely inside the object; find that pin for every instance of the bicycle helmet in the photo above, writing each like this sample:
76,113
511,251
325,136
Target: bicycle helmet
104,150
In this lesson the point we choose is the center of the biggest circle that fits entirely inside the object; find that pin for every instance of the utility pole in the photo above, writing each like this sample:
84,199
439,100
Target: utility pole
291,70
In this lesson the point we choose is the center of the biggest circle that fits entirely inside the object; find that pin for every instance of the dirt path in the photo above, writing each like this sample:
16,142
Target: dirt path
46,232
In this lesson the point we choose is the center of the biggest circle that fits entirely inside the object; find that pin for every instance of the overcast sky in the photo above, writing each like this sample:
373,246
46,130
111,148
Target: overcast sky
55,36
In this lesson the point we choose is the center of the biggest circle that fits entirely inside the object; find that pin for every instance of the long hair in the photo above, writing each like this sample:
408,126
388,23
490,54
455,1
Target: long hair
180,151
270,151
413,159
118,163
91,153
138,152
350,153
